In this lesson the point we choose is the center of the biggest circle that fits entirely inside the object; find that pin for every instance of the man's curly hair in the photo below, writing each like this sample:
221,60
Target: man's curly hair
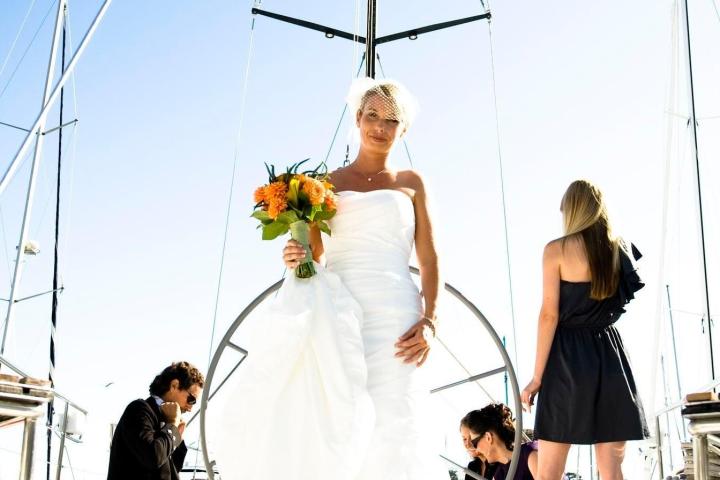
183,372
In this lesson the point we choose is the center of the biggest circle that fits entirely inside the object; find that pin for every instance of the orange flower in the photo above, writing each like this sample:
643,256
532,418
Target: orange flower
276,208
275,198
315,190
259,194
275,190
330,200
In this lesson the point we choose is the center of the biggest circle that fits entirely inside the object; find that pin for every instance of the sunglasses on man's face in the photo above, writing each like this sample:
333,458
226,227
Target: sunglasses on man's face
191,399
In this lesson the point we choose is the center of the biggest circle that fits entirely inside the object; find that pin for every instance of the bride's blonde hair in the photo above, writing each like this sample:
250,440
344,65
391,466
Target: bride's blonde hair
585,216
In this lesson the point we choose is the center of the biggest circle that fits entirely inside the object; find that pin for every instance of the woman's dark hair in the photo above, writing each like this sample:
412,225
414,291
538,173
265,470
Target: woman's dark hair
496,418
183,372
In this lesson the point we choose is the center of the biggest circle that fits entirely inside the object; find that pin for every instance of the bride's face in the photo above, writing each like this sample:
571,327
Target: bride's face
379,125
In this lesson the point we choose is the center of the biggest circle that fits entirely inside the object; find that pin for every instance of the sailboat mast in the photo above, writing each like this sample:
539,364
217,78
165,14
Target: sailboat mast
53,315
370,38
693,126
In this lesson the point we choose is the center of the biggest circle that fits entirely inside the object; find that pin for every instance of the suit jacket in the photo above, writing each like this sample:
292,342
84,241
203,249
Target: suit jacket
144,447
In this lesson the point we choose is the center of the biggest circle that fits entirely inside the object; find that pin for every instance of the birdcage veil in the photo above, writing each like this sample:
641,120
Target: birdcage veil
396,102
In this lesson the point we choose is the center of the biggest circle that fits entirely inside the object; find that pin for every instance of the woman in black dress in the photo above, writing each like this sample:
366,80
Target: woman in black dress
587,392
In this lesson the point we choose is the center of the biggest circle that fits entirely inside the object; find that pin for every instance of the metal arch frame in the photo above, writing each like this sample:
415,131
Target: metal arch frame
226,343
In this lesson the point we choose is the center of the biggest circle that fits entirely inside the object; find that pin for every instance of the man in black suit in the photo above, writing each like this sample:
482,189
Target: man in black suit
148,444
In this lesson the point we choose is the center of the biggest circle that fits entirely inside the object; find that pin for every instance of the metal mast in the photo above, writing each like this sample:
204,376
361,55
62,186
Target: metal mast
693,126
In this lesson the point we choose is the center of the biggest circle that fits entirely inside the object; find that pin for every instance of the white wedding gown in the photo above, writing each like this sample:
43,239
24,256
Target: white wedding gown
321,394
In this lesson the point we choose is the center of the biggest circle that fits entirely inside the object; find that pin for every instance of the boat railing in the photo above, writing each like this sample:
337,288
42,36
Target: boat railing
226,343
668,409
27,408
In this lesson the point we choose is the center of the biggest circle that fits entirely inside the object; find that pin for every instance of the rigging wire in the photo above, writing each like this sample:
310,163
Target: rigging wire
717,13
356,44
405,144
342,116
17,36
5,242
502,192
32,41
243,99
71,161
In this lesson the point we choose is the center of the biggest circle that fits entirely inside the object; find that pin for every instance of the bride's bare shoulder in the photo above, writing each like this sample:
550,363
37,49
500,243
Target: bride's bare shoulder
411,180
339,178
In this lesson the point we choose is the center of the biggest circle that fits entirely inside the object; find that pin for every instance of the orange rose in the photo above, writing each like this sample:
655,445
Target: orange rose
315,191
330,200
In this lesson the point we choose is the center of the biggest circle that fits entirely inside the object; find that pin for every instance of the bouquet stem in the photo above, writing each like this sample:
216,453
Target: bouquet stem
300,232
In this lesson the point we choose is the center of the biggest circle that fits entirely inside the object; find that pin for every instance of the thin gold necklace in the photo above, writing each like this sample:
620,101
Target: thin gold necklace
369,177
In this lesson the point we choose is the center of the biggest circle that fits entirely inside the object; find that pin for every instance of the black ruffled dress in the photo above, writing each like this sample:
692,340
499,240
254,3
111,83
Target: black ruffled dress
588,392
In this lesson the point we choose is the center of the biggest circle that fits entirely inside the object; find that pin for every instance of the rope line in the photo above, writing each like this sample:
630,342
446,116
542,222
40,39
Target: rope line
342,116
243,100
17,36
502,192
27,49
405,144
717,13
5,243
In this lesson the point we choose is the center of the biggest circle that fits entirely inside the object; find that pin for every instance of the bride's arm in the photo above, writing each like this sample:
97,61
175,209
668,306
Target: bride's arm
414,346
316,244
426,252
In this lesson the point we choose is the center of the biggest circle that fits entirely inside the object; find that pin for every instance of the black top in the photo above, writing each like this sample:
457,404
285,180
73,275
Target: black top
477,466
588,393
523,469
144,447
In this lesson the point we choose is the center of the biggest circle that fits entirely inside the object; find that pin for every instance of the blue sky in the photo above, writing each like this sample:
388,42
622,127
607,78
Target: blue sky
581,92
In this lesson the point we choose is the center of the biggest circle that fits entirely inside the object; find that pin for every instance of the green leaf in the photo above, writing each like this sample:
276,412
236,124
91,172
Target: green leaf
313,212
261,215
273,230
295,167
324,227
271,172
303,200
325,215
287,217
307,211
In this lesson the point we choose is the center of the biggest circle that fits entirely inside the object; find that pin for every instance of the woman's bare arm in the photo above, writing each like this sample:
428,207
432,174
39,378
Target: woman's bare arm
548,319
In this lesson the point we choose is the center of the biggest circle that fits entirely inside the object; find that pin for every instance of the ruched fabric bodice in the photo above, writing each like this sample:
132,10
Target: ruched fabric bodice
369,249
373,232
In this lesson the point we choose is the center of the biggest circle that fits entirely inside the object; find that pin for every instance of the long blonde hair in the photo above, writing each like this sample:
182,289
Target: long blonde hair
585,216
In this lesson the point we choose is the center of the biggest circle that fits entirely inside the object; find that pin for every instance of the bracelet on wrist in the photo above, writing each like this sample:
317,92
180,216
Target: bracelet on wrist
430,322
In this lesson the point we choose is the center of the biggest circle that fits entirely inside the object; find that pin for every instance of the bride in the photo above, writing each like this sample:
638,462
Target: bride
331,388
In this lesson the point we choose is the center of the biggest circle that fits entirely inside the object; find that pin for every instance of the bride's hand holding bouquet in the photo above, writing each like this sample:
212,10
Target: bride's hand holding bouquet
295,202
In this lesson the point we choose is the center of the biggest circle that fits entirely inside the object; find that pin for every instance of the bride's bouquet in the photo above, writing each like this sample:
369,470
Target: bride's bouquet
294,202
